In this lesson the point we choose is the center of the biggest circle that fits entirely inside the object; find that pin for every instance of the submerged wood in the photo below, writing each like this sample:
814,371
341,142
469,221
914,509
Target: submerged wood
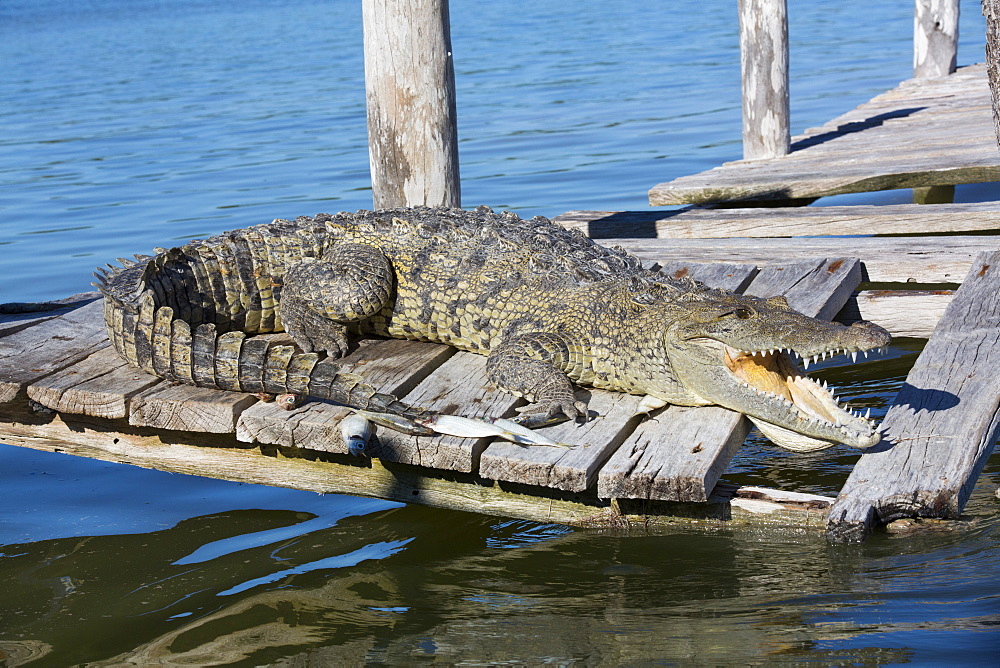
941,427
925,132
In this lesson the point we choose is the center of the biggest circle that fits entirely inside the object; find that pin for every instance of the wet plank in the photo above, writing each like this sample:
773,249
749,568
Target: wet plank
925,132
941,427
392,366
35,352
680,453
764,222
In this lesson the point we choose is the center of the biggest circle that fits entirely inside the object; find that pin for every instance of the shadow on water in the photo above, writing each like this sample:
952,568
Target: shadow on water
253,587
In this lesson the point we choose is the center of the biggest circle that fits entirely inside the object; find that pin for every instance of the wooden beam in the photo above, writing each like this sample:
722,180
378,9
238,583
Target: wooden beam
410,89
764,68
935,37
731,507
884,260
941,427
813,221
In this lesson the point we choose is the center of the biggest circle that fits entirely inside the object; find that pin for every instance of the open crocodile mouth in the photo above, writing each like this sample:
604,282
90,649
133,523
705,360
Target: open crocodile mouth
780,382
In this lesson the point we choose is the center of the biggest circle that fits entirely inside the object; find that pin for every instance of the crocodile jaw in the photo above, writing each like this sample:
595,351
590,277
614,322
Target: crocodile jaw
791,409
776,377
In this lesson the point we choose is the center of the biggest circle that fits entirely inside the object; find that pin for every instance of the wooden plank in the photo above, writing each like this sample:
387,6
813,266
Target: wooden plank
895,141
613,418
812,221
941,427
726,275
393,366
30,354
904,313
459,386
15,316
186,408
818,287
680,453
226,459
577,469
99,385
884,260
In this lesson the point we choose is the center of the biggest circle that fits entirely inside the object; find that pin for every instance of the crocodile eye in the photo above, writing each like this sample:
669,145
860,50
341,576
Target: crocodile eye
742,313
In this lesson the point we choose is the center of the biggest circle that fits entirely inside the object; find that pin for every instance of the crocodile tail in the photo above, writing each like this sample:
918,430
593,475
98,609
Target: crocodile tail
152,338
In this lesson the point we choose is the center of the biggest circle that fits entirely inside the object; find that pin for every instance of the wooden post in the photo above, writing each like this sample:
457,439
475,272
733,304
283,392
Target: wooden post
991,10
410,90
935,37
764,65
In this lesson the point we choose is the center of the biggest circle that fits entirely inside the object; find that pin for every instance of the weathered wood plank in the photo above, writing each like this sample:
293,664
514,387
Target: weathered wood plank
99,385
458,386
680,453
904,313
613,418
882,154
726,275
336,474
32,353
811,221
186,408
884,260
15,316
818,287
392,366
941,427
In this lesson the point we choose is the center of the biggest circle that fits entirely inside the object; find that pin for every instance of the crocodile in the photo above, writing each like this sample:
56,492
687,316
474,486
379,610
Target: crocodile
548,306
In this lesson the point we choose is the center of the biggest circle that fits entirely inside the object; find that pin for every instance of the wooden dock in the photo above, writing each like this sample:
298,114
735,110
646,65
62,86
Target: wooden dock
925,132
62,388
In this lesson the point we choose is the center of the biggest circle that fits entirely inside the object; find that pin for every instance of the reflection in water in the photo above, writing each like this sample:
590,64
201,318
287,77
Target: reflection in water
407,583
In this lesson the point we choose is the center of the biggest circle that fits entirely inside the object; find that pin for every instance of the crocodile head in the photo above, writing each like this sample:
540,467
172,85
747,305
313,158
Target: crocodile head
740,352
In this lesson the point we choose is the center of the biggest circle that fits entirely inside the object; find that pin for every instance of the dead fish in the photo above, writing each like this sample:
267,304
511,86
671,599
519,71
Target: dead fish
357,431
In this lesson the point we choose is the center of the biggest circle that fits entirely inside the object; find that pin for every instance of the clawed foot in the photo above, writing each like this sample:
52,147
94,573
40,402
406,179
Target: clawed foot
538,415
331,339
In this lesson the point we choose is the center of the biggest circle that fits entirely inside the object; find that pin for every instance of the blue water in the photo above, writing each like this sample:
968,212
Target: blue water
132,124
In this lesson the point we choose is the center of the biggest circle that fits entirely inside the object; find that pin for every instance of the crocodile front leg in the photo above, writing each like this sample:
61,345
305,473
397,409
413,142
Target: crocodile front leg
534,366
350,283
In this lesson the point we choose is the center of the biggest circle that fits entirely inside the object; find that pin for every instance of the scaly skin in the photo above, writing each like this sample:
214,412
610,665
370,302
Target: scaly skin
547,305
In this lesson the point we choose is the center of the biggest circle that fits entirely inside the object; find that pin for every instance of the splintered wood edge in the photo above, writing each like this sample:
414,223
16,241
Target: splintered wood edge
225,459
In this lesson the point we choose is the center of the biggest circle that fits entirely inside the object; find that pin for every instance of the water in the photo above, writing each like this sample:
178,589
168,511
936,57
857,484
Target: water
127,125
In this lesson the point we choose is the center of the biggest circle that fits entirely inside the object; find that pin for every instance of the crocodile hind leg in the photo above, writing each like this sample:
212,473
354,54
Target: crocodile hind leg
349,283
534,366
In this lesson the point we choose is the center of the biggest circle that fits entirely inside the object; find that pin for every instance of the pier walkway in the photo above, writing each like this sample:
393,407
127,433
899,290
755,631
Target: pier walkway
925,132
62,388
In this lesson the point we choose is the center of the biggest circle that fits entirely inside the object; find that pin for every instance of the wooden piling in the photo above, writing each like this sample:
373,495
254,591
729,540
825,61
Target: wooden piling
764,65
410,89
935,38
